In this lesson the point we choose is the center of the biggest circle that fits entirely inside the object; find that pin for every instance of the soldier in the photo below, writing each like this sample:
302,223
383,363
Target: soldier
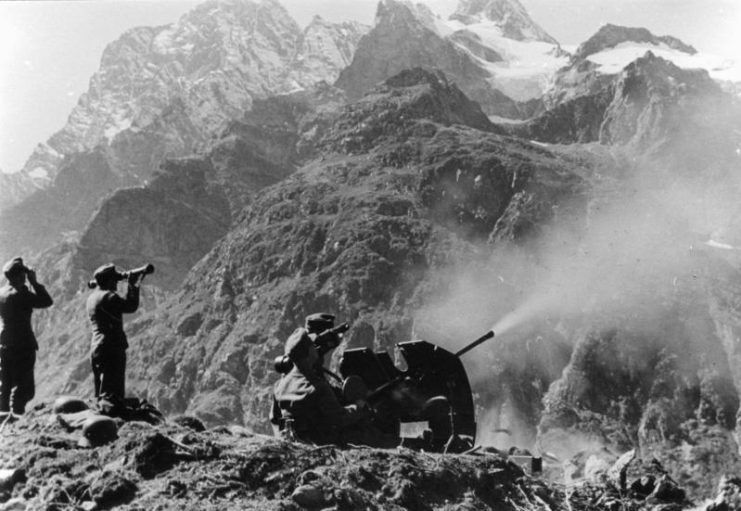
320,328
18,344
304,404
105,308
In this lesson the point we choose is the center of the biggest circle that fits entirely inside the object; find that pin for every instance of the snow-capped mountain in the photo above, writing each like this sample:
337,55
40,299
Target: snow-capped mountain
492,49
529,56
190,77
610,36
614,47
509,16
597,62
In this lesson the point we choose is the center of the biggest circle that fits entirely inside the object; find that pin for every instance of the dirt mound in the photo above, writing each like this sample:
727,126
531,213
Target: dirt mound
171,466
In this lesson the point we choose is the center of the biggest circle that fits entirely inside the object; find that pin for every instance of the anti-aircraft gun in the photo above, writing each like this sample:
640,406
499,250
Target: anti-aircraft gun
429,405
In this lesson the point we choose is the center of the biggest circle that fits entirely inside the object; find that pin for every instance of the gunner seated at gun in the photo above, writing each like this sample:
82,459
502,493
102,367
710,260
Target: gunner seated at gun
306,407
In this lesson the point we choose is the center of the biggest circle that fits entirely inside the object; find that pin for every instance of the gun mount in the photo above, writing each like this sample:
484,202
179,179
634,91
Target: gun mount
427,406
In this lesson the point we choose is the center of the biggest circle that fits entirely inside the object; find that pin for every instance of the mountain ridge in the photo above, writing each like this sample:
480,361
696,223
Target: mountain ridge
148,68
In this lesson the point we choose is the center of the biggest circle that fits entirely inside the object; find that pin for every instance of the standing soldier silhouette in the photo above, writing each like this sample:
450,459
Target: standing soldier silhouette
105,308
17,341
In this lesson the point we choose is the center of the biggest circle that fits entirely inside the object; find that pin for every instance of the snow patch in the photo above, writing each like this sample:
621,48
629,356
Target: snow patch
614,60
528,66
39,173
119,124
496,119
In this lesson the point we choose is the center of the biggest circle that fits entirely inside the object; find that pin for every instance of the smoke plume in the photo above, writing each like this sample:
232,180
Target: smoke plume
643,242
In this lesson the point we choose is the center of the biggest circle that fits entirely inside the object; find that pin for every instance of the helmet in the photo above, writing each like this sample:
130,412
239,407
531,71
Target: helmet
69,404
98,430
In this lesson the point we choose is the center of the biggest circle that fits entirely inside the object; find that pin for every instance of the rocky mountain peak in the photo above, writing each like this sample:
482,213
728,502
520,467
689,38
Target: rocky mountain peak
324,45
650,93
396,11
509,15
393,109
406,36
389,110
609,36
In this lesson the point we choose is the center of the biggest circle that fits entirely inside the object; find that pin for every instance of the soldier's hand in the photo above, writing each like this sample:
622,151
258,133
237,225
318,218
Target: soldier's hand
31,275
134,278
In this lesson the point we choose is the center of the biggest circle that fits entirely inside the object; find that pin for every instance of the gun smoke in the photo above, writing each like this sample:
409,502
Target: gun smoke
639,246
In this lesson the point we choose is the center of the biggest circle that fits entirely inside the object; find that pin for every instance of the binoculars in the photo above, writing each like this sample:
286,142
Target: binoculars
324,342
144,270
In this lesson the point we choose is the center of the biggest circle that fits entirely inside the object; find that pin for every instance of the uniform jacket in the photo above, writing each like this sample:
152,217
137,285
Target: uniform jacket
16,306
105,310
312,405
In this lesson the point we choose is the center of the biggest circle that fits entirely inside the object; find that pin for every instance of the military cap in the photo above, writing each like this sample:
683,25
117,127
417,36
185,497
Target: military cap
319,321
98,430
105,272
13,267
298,345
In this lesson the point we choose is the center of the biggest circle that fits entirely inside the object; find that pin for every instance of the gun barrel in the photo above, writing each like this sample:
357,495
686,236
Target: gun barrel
488,335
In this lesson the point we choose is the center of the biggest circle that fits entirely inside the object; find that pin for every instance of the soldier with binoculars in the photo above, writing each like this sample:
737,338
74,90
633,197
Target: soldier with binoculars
18,343
105,308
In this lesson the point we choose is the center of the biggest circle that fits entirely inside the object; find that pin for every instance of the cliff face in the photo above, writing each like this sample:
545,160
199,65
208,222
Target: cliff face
209,66
162,92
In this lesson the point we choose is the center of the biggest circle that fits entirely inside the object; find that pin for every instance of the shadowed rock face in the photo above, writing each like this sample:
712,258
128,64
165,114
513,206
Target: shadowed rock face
658,389
171,223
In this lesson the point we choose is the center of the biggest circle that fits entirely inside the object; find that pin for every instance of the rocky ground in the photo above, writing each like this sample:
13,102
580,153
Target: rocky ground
180,465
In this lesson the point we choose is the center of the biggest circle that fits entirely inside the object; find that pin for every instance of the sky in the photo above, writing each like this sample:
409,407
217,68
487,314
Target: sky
50,49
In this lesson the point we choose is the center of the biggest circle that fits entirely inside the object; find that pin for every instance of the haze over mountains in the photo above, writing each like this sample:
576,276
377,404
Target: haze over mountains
420,178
